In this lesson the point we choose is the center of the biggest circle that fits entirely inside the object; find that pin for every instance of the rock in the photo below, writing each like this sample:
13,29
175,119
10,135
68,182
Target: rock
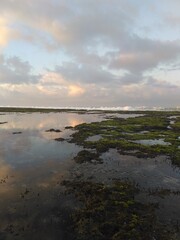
59,139
53,130
3,122
68,127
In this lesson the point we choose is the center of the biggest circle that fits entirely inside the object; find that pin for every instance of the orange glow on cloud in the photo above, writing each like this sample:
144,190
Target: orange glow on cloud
5,35
74,90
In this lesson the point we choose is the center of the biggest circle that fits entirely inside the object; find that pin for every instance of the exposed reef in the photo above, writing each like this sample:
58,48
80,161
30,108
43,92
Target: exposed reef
53,130
123,133
111,212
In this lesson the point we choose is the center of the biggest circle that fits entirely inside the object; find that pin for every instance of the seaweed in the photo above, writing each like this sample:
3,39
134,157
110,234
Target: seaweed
122,133
87,156
111,212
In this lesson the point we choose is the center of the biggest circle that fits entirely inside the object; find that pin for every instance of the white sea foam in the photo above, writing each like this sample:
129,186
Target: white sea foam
120,108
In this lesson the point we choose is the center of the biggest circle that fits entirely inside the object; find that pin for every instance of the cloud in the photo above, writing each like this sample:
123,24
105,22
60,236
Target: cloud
14,70
108,55
53,83
65,24
4,37
75,90
85,73
8,33
145,54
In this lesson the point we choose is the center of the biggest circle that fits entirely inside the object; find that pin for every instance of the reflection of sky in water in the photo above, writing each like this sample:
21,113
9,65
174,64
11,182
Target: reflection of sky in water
42,121
123,115
34,145
33,156
152,142
33,160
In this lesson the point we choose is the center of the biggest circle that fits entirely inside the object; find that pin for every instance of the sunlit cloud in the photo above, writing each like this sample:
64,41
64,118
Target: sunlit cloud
74,90
112,52
52,78
5,35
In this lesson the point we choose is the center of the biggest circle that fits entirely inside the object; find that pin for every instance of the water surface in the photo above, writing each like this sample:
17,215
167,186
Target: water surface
32,165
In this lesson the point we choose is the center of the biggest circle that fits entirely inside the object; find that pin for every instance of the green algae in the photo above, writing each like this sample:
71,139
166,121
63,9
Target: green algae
87,156
176,125
111,212
122,133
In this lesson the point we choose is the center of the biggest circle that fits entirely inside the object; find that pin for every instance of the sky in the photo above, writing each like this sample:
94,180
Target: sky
62,53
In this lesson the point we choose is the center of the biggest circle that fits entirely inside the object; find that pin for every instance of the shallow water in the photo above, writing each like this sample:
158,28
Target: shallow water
94,138
150,174
152,142
32,165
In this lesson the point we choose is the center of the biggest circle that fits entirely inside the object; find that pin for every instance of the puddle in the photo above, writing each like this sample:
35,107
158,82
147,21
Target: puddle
94,138
152,142
173,117
125,116
143,132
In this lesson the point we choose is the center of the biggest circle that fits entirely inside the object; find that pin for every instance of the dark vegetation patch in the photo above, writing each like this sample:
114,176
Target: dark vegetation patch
112,213
3,122
162,192
121,133
53,130
176,125
68,127
31,110
59,139
87,156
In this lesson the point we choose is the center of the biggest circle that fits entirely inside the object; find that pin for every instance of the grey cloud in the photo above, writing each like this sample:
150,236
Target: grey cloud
77,26
150,81
143,54
81,23
14,70
85,73
131,78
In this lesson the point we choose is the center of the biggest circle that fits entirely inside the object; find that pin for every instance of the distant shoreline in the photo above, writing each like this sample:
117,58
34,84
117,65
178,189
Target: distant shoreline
87,109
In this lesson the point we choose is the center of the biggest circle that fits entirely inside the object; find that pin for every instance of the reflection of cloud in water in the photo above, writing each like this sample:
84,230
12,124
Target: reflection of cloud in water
4,169
21,144
27,148
49,135
75,122
6,179
42,121
34,164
